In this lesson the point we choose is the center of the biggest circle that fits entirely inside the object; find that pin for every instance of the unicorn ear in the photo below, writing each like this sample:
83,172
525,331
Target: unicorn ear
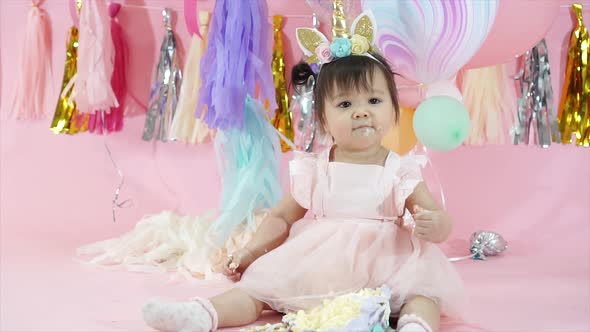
309,39
364,25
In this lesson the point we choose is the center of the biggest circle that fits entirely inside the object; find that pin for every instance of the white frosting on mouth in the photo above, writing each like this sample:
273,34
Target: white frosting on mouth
364,131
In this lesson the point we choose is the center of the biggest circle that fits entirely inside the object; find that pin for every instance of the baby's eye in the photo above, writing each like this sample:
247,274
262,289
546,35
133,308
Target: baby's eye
344,104
374,101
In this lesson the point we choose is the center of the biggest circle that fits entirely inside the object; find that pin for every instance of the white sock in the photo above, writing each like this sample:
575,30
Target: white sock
412,323
412,327
191,316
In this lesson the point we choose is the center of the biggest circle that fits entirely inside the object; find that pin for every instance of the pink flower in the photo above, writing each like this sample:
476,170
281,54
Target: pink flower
324,53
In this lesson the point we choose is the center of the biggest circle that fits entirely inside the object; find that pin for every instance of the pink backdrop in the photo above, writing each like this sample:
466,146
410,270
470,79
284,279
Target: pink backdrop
56,192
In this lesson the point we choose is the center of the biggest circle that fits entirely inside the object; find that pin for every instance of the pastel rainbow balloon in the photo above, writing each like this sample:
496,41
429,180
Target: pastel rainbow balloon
430,40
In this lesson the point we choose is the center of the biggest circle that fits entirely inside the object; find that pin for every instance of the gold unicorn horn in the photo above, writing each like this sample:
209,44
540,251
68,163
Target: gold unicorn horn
339,28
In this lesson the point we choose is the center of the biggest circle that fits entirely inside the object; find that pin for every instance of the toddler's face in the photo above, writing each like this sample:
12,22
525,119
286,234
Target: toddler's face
359,119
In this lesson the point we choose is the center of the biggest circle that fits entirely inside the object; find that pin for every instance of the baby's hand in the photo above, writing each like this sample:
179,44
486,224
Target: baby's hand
430,225
236,263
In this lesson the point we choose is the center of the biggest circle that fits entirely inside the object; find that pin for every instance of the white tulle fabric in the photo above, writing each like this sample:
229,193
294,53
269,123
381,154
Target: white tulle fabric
167,242
355,239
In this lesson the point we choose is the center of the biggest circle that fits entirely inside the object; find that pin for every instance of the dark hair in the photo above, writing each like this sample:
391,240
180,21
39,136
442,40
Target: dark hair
350,73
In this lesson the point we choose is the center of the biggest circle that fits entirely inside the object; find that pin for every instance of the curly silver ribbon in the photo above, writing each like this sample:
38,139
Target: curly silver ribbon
115,201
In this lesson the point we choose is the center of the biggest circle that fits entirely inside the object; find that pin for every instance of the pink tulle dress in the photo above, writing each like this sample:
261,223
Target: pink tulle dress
354,240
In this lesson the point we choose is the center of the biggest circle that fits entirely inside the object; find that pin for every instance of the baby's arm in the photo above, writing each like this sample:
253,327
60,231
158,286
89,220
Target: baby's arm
274,229
433,223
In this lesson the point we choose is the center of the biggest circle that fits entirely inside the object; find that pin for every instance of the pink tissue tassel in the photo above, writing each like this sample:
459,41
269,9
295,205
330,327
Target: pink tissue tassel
92,89
490,99
35,61
112,121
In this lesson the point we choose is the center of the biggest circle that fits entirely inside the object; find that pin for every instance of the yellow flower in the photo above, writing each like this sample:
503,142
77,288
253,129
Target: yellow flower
360,44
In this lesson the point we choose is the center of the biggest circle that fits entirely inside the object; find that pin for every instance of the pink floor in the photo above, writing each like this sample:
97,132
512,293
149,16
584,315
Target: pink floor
53,201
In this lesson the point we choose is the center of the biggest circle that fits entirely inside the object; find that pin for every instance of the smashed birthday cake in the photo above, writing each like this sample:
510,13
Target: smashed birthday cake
365,310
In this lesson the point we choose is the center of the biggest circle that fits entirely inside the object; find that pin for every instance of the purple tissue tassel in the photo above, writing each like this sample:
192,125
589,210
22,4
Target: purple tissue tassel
236,61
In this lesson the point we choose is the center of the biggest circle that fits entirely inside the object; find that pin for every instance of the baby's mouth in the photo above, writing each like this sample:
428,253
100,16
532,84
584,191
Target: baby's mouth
363,130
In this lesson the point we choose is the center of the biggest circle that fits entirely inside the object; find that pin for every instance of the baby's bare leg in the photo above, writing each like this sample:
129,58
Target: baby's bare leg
232,308
424,309
236,308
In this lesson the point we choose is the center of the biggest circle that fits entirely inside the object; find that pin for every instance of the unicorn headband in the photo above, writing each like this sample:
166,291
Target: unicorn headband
318,49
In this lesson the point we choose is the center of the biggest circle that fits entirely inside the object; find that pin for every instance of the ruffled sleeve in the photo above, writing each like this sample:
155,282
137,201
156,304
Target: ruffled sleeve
409,174
302,170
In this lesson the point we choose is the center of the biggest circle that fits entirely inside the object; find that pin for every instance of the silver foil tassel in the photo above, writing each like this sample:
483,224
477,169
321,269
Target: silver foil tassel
536,118
165,88
304,106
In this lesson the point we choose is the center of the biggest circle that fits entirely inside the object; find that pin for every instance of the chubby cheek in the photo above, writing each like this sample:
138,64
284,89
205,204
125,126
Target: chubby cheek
336,125
338,128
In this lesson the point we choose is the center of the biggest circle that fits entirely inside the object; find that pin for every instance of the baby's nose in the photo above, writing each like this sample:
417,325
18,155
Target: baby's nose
360,115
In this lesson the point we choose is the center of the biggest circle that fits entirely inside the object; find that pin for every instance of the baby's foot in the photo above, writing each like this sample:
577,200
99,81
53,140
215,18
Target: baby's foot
412,323
177,316
412,327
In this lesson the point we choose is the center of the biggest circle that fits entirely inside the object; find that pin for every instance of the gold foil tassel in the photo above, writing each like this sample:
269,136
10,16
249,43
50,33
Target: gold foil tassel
283,119
79,122
585,124
65,111
573,114
66,118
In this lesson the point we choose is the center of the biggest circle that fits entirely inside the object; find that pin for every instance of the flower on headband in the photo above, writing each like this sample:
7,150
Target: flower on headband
360,44
318,48
341,47
324,53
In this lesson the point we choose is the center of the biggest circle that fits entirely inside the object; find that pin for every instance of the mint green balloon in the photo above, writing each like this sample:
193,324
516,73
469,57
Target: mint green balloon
441,123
